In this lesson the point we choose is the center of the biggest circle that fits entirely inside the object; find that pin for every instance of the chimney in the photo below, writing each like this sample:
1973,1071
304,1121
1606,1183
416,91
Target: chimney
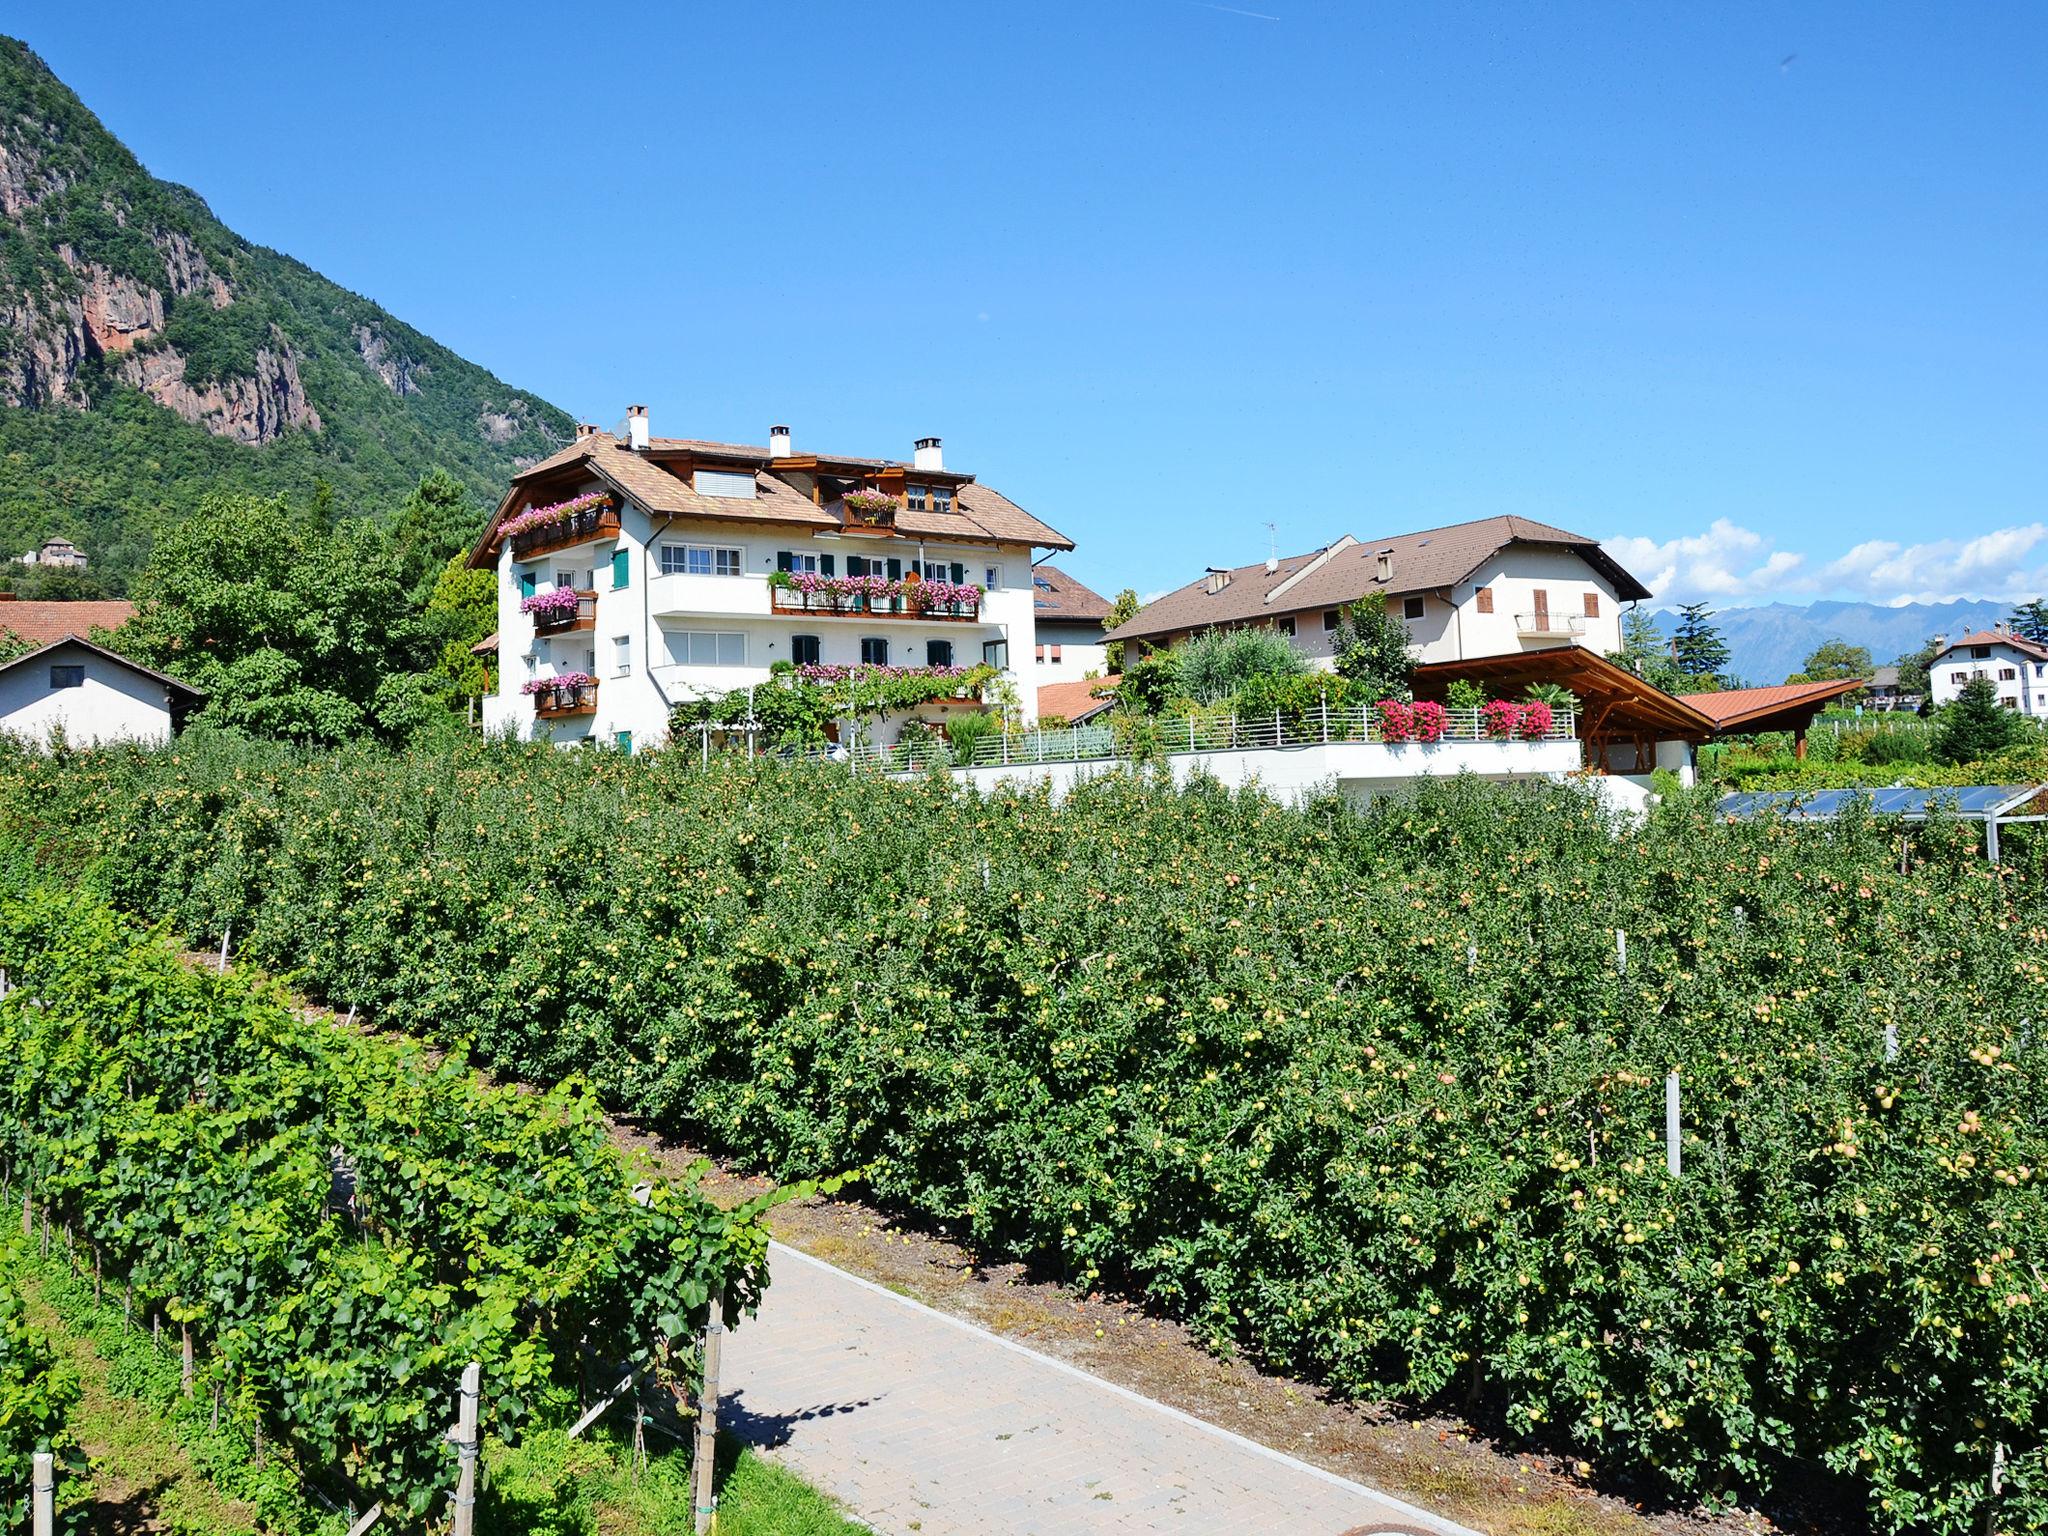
778,442
1218,579
928,455
1383,566
636,427
585,429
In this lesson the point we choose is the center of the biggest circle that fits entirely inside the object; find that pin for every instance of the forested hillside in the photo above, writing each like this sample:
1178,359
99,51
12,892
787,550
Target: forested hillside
149,355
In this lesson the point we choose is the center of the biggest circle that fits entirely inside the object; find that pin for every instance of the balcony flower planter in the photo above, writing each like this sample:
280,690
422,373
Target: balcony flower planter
573,693
809,592
561,610
871,509
593,515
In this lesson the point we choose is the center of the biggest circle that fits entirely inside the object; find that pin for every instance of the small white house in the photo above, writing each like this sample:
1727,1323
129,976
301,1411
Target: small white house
1070,641
2017,667
87,695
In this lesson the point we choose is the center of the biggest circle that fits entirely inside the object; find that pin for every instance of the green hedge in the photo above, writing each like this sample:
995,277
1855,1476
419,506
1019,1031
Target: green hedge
1364,1093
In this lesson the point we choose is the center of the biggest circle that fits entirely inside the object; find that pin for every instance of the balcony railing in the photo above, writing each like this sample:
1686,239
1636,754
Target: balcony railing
561,701
1200,734
587,526
1549,625
856,606
569,621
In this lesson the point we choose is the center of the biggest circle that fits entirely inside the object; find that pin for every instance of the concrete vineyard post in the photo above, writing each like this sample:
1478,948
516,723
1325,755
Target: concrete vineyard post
45,1489
1671,1157
465,1448
704,1470
1891,1040
185,1359
224,946
1621,951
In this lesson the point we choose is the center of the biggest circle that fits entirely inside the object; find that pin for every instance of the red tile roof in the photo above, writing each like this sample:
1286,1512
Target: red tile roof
2019,643
1736,706
39,622
1056,595
1075,702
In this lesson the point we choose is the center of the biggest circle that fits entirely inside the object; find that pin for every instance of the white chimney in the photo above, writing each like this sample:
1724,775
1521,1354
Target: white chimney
778,442
1383,565
636,427
928,455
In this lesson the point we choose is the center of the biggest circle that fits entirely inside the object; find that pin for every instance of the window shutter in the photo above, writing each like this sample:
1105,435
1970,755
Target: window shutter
1484,599
825,564
1592,605
621,568
959,573
895,569
526,584
785,561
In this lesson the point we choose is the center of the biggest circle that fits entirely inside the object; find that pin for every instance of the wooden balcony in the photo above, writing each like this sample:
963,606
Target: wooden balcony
583,619
565,702
831,605
590,526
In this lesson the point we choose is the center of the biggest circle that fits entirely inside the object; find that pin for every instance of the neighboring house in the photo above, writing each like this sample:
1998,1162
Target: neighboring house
1495,587
1077,701
2017,667
1071,642
38,622
89,696
679,572
1886,695
55,552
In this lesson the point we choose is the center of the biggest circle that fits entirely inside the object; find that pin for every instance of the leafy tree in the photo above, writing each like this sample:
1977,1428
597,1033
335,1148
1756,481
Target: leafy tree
293,630
1698,651
462,610
1915,668
1150,683
435,522
2031,621
54,583
1373,649
1121,611
1834,661
1215,664
1974,725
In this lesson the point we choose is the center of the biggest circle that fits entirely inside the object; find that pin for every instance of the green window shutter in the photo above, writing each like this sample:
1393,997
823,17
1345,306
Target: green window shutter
621,568
959,573
825,563
784,560
625,740
895,570
526,584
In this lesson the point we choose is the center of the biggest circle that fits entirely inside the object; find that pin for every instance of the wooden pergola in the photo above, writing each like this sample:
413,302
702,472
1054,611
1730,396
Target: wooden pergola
1786,707
1615,706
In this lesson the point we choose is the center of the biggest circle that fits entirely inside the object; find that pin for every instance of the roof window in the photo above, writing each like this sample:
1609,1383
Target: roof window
736,484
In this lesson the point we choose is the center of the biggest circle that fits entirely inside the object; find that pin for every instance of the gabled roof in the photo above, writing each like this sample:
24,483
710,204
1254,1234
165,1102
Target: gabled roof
1732,707
114,656
2019,643
1346,570
38,621
1075,702
1056,595
980,515
1614,702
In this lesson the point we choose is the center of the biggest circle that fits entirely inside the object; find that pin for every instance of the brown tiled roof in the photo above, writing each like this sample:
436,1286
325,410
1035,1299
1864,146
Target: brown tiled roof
2019,643
40,622
1075,702
981,514
1743,706
1056,595
1345,571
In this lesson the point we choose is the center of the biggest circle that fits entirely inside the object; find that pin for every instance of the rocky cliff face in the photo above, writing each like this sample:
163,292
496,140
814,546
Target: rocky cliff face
264,404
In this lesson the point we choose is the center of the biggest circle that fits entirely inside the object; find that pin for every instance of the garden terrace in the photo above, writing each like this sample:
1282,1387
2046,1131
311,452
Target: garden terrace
563,700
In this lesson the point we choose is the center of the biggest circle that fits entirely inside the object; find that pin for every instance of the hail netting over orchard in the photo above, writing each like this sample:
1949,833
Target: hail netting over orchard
1377,1096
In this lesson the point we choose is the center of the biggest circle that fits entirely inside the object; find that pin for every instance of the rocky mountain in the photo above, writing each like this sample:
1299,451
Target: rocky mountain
1769,643
148,353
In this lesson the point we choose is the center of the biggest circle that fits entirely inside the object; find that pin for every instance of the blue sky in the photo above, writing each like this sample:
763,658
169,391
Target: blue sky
1757,293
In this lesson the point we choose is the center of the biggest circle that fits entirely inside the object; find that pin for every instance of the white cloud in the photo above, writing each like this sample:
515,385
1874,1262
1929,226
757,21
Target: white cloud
1731,565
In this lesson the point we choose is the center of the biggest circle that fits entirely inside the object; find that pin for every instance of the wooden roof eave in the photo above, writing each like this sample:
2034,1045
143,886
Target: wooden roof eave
1593,679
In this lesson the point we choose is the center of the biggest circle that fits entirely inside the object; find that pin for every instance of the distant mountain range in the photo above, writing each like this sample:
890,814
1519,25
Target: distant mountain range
1769,643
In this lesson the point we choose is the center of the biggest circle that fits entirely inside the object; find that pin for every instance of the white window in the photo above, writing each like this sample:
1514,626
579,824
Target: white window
934,570
707,648
701,560
913,497
803,560
942,498
874,651
622,655
992,577
723,482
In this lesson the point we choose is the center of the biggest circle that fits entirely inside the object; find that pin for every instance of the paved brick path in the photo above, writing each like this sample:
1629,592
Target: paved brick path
923,1423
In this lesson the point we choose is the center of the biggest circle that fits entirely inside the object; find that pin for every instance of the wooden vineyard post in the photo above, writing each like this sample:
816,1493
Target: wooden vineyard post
465,1448
703,1472
185,1359
45,1491
1671,1159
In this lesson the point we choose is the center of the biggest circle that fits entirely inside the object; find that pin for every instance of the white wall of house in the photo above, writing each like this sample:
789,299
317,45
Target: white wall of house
708,624
2020,681
112,703
1067,650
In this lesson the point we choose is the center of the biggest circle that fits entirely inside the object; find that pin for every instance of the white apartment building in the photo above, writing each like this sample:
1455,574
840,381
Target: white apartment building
2017,667
1499,586
635,574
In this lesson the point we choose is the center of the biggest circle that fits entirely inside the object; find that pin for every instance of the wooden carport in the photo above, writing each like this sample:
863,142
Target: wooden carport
1615,706
1786,707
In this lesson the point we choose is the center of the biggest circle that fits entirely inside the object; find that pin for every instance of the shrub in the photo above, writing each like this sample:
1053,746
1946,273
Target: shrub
1463,693
1215,664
